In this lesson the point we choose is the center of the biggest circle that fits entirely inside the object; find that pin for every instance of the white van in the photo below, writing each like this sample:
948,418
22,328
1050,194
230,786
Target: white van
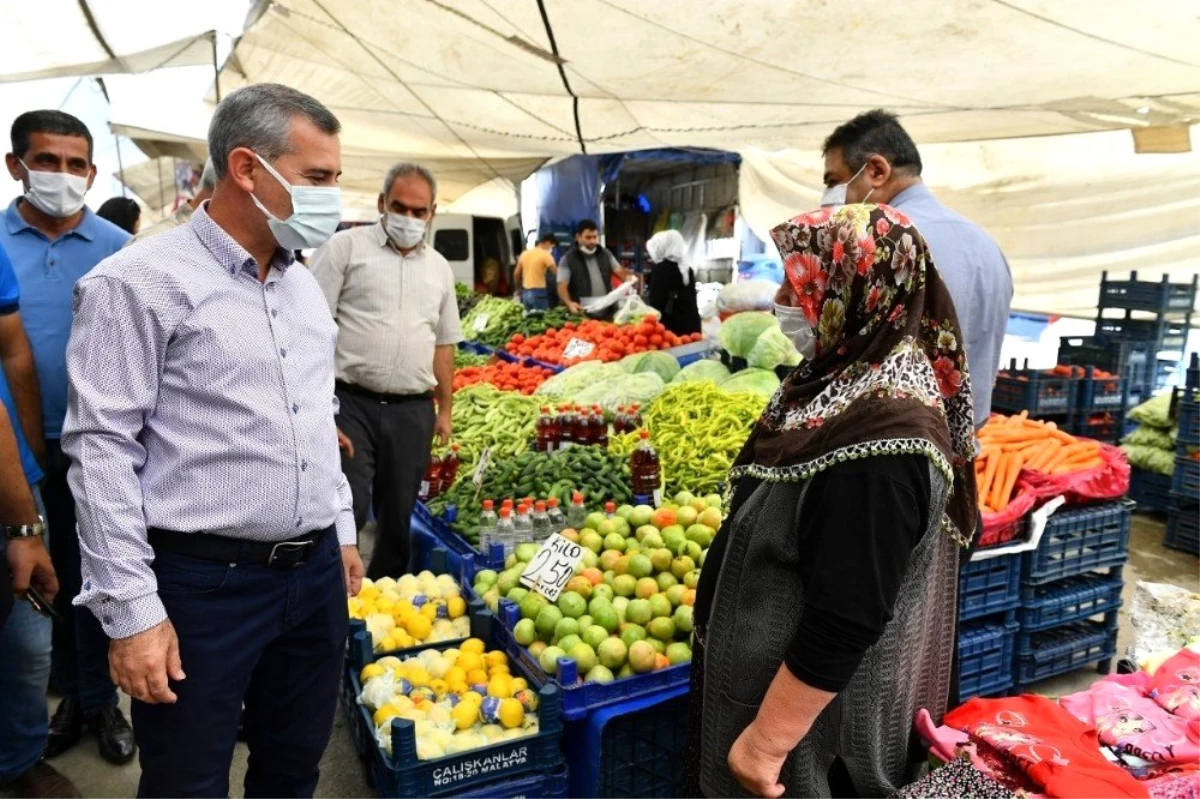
475,245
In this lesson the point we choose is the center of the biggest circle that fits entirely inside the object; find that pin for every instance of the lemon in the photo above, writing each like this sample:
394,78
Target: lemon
465,715
455,674
469,661
519,684
472,645
404,608
496,658
389,662
457,606
419,677
370,670
418,626
385,644
385,714
385,604
500,686
403,640
429,611
477,677
511,713
459,687
369,591
500,669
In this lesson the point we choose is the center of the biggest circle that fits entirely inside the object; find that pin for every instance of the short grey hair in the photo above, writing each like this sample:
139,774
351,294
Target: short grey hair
259,117
406,169
208,176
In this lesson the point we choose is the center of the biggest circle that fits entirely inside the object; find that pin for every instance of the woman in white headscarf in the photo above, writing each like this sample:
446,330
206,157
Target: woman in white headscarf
673,283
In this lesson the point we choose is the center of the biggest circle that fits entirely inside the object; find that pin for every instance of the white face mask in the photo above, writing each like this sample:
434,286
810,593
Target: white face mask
57,194
587,250
794,324
836,195
316,212
406,231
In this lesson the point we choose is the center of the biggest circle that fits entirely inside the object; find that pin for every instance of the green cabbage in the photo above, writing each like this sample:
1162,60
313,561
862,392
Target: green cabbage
740,332
1150,437
773,349
657,361
622,389
1154,412
752,381
1150,459
569,382
703,370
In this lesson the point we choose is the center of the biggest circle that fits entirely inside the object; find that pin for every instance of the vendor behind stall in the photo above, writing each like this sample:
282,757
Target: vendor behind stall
673,283
586,270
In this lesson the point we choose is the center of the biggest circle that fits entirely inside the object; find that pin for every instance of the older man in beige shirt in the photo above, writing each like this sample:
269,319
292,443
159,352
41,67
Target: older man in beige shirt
392,297
208,182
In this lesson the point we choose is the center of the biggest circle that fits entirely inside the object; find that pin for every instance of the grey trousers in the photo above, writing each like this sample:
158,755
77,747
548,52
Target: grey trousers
391,452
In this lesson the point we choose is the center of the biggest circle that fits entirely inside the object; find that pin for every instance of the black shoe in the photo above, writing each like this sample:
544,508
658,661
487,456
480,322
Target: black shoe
117,744
66,727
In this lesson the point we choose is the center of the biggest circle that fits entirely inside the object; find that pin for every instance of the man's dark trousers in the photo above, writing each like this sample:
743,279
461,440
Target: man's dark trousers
273,638
80,656
391,452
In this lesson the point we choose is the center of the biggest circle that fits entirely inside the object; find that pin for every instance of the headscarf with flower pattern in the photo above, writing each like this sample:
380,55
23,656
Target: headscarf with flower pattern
889,375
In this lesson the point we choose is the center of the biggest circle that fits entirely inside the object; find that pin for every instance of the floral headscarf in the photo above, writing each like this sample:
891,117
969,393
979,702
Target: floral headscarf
889,375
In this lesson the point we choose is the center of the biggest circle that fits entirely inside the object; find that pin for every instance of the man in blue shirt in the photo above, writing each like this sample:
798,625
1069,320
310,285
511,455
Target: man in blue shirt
24,634
871,158
53,239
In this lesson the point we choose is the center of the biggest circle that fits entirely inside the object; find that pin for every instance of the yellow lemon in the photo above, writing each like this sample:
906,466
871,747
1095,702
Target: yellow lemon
403,639
456,674
385,604
500,669
511,713
477,677
439,687
385,644
404,608
496,658
418,627
472,645
519,684
401,702
465,714
418,677
370,670
429,611
385,714
389,662
500,686
459,687
469,661
457,606
354,606
368,592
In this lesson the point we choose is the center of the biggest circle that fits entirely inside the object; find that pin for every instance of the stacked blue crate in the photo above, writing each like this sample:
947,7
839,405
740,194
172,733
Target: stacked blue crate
1070,593
1183,515
989,593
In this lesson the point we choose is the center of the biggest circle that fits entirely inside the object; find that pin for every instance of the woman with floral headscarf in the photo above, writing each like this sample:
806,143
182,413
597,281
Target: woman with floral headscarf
826,609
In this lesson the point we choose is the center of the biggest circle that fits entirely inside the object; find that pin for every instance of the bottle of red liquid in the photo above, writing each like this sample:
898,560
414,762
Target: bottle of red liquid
645,471
566,427
543,442
582,432
635,417
599,427
450,464
431,483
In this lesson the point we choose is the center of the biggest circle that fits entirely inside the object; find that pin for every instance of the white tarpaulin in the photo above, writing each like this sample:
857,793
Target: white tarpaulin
1062,208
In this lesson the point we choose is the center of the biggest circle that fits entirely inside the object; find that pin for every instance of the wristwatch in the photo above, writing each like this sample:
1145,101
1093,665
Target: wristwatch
14,531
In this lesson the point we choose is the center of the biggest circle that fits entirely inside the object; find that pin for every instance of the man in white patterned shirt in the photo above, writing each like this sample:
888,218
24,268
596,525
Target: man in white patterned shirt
392,296
215,525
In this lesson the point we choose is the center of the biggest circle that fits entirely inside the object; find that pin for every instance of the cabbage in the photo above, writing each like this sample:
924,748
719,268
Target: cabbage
1154,412
752,381
740,331
657,361
622,390
569,382
773,349
704,370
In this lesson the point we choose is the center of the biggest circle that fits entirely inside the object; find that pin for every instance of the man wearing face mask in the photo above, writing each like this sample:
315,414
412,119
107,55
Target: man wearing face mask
217,528
586,270
392,296
53,239
871,158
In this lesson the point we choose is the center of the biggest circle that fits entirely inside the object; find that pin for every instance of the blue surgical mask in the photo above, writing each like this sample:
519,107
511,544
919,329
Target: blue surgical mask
316,212
794,325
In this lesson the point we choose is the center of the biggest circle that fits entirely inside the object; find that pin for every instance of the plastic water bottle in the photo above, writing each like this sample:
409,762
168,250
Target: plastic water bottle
558,522
487,525
610,509
506,531
541,522
577,513
523,525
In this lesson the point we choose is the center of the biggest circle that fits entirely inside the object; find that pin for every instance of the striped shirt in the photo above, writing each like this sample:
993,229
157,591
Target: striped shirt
200,400
391,310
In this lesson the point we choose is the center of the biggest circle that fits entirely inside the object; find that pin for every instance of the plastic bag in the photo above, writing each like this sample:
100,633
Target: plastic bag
1154,412
739,333
1003,526
747,295
1109,481
633,309
773,349
1165,618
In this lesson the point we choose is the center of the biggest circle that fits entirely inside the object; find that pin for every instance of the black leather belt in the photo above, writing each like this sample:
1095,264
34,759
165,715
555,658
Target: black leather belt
350,388
219,548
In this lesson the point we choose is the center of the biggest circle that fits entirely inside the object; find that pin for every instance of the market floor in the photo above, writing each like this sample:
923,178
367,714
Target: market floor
342,775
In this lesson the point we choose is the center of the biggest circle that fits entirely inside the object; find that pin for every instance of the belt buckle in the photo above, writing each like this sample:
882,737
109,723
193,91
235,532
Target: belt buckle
287,553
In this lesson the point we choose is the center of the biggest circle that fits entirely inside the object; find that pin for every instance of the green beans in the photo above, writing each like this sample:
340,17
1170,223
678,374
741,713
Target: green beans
492,320
485,416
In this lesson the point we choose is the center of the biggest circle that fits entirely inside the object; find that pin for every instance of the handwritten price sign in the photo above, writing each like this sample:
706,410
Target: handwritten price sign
578,348
552,566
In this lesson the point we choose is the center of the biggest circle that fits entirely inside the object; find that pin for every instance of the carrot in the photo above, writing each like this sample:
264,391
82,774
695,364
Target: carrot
1010,480
989,474
997,498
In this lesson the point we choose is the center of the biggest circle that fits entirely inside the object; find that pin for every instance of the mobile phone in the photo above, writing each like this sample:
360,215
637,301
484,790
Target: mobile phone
41,605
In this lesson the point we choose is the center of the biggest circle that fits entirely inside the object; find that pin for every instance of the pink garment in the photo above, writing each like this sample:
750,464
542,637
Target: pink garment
1177,783
1176,685
1133,723
946,744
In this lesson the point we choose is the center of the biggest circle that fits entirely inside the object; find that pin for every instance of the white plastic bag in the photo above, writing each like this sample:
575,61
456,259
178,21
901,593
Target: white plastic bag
747,295
633,309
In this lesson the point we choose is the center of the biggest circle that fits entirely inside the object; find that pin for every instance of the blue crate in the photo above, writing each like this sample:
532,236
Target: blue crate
1060,650
1040,394
1189,422
1185,485
1160,333
633,748
348,699
402,775
985,656
579,698
989,586
1100,394
1106,426
1070,599
476,347
542,786
1156,297
464,558
1150,490
1078,541
1183,530
553,367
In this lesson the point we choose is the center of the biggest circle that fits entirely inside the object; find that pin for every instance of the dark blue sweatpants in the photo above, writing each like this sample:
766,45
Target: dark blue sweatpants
273,639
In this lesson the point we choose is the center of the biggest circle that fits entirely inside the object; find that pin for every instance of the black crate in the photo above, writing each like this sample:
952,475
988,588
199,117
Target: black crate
1108,427
1035,391
1185,485
1161,334
1183,530
1159,297
1068,600
1189,422
1099,394
1078,541
1151,491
